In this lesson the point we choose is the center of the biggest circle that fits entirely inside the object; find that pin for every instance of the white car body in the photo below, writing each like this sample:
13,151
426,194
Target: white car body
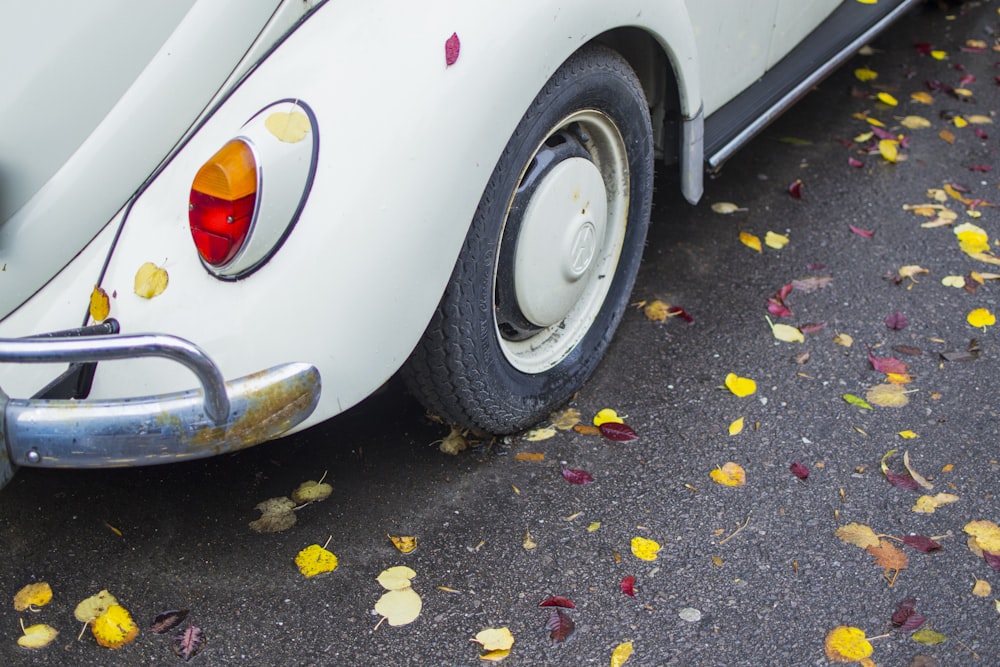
114,98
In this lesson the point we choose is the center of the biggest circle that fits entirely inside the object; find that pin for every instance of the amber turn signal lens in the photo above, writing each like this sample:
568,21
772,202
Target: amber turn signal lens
222,202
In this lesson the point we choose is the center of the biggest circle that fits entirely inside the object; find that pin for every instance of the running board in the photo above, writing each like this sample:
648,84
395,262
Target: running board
823,51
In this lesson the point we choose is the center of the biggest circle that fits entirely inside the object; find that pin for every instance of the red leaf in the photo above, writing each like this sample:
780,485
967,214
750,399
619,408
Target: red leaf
887,364
557,601
972,49
795,189
883,134
189,642
984,168
923,48
862,232
577,476
981,133
451,49
901,481
906,349
966,80
921,543
628,586
679,312
812,327
618,432
912,623
785,291
560,626
777,308
799,470
896,321
904,609
993,560
854,162
168,620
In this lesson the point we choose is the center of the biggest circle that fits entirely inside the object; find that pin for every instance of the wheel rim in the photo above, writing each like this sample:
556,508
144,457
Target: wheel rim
564,231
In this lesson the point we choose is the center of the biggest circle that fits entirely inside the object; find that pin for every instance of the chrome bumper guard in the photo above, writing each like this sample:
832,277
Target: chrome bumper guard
218,418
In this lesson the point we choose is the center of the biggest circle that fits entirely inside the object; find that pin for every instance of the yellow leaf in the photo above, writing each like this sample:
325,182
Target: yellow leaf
312,491
959,121
981,317
656,311
865,74
396,578
985,257
939,55
730,474
915,122
982,588
847,644
288,127
94,606
785,332
874,121
400,606
887,147
621,654
858,534
953,281
538,434
750,241
863,137
736,427
775,240
527,542
566,419
908,435
740,386
404,543
37,636
33,595
114,628
276,515
314,560
844,340
150,280
644,549
978,119
947,136
972,238
725,208
495,656
100,304
595,525
927,504
886,98
454,442
986,533
911,271
887,396
529,456
494,639
607,415
922,97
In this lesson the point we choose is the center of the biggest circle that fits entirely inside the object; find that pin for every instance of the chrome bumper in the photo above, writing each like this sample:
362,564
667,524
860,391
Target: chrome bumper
220,417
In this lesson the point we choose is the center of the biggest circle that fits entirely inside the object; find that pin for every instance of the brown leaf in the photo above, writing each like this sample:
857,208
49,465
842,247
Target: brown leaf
168,620
888,556
188,643
921,543
560,626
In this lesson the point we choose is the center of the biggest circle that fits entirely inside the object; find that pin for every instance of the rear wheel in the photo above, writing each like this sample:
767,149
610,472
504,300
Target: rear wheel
551,255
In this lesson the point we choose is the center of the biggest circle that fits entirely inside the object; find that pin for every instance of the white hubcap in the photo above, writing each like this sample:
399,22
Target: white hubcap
561,233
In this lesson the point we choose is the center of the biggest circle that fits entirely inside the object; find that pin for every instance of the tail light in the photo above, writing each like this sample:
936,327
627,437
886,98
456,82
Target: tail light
223,202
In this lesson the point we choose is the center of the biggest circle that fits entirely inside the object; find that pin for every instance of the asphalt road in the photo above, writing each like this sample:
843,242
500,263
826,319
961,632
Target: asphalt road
749,575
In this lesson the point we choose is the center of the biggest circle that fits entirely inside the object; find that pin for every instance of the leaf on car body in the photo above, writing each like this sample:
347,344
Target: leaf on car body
150,281
100,304
452,47
289,127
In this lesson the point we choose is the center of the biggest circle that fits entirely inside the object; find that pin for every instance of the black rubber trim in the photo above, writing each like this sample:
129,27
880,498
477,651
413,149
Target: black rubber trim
822,45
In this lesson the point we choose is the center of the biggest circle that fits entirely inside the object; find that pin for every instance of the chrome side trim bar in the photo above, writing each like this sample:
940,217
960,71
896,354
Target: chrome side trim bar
763,120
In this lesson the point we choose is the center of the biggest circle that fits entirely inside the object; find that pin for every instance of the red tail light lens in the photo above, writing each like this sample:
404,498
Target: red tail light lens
222,203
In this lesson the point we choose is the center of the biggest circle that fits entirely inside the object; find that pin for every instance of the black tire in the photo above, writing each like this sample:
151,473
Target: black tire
524,322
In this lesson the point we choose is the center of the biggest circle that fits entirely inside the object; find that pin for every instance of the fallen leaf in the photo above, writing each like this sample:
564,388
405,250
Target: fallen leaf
100,304
454,442
795,188
150,281
576,476
896,321
921,480
396,578
981,317
290,128
740,386
775,240
628,585
527,543
847,644
862,232
982,588
921,543
736,427
844,340
865,74
618,432
889,149
33,596
529,456
312,491
858,534
915,122
452,46
314,560
750,241
986,535
557,601
188,642
947,136
494,639
887,396
560,626
621,654
94,606
785,332
928,637
606,415
644,549
730,474
539,434
566,419
35,636
277,514
168,620
887,99
725,208
799,470
400,606
888,556
856,400
927,504
922,97
114,628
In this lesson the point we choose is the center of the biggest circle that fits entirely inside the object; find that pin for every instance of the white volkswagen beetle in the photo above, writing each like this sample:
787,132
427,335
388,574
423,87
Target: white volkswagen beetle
211,208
